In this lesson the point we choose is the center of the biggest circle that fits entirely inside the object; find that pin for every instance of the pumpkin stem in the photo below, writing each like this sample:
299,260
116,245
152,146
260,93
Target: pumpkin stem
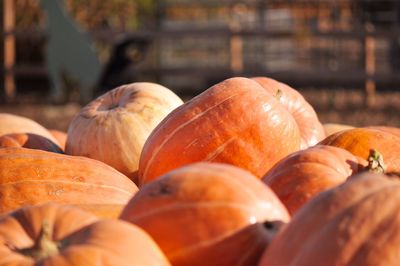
44,247
273,226
375,162
278,94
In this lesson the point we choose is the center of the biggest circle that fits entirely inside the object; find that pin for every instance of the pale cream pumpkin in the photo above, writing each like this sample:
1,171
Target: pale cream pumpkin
10,123
114,127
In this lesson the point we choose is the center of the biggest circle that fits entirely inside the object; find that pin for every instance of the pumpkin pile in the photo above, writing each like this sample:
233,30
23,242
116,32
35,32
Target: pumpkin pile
242,174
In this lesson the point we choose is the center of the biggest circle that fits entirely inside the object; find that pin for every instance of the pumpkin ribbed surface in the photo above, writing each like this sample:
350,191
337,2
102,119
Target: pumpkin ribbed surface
61,235
310,127
235,121
356,223
300,176
33,176
114,127
207,214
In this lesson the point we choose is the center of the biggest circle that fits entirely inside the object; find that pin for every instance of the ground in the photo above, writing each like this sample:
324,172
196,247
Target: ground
332,106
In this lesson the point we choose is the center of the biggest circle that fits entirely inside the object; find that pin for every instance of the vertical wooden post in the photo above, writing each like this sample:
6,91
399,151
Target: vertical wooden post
9,48
236,54
370,85
236,42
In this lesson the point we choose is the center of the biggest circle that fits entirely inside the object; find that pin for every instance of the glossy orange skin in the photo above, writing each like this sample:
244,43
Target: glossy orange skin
392,130
30,141
105,211
235,121
359,141
60,136
356,223
300,176
82,239
311,129
207,214
29,177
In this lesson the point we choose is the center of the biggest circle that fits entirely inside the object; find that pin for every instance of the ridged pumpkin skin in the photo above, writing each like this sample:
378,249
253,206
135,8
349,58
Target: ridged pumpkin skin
114,127
300,176
392,130
29,141
356,223
360,141
207,214
60,136
29,177
10,123
311,129
53,234
235,121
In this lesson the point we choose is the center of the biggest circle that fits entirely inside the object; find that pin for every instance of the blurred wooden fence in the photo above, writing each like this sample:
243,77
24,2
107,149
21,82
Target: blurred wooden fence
306,43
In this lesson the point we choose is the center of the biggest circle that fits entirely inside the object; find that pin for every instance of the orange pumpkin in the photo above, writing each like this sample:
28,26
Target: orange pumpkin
114,127
235,121
356,223
61,235
360,142
30,141
60,136
30,176
392,130
10,123
207,214
311,129
300,176
112,211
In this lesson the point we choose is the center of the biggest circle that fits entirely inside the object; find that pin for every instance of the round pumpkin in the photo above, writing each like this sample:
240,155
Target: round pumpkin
235,121
29,177
300,176
53,234
114,127
208,214
10,123
311,129
331,128
392,130
60,136
361,141
30,141
356,223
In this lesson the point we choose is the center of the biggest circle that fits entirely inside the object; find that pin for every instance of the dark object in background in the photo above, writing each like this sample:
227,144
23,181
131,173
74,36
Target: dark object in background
121,66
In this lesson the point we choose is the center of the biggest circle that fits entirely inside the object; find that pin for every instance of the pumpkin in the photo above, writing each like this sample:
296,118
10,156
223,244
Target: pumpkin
112,211
208,214
114,127
331,128
303,174
311,129
235,121
30,141
10,123
360,142
356,223
29,177
392,130
53,234
60,136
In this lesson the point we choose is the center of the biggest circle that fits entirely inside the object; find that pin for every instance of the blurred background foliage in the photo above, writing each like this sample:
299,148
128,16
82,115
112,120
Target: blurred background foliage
91,14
